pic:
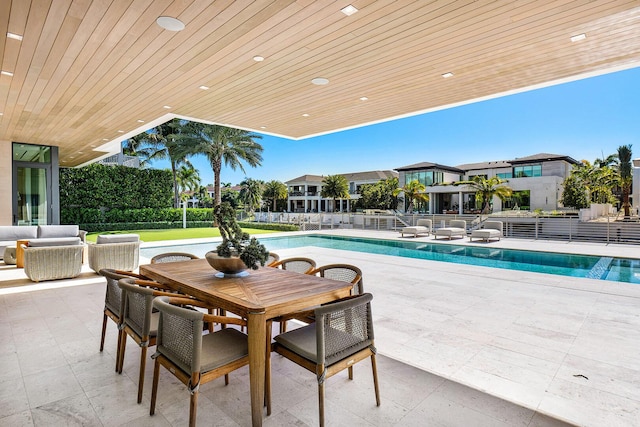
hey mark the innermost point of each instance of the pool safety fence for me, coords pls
(608, 229)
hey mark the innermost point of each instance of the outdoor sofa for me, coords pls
(456, 228)
(10, 234)
(489, 230)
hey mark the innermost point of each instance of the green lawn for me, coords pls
(175, 233)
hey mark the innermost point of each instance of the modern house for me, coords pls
(78, 78)
(305, 191)
(536, 182)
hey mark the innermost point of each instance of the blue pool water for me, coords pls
(594, 267)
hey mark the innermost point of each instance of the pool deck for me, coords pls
(460, 345)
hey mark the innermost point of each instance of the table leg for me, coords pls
(256, 329)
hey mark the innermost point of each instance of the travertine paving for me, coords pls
(459, 346)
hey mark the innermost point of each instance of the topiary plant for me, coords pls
(236, 242)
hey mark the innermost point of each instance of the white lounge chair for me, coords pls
(489, 230)
(423, 226)
(456, 228)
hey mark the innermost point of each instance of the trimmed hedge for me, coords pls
(106, 187)
(164, 225)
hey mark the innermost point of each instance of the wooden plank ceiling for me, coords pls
(86, 73)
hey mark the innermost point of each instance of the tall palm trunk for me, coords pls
(217, 167)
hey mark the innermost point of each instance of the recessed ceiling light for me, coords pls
(364, 98)
(6, 73)
(204, 87)
(166, 106)
(578, 37)
(14, 36)
(120, 131)
(170, 23)
(349, 10)
(105, 139)
(447, 75)
(305, 115)
(263, 127)
(140, 121)
(320, 81)
(1, 114)
(258, 58)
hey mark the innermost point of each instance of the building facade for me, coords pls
(536, 182)
(305, 191)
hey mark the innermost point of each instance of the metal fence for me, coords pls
(607, 229)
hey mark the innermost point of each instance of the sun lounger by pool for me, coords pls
(456, 228)
(489, 230)
(423, 226)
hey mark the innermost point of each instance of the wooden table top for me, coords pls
(270, 290)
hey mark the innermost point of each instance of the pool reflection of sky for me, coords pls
(618, 269)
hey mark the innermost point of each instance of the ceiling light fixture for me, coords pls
(105, 139)
(140, 121)
(14, 36)
(364, 98)
(1, 114)
(167, 107)
(120, 131)
(170, 23)
(447, 75)
(204, 87)
(349, 10)
(320, 81)
(578, 37)
(258, 58)
(305, 115)
(6, 73)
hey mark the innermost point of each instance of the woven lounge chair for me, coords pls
(115, 251)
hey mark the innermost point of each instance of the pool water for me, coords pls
(587, 266)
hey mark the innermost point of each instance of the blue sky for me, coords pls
(583, 119)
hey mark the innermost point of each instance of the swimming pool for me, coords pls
(587, 266)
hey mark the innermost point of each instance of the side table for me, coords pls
(20, 253)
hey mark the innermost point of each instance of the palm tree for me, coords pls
(251, 193)
(170, 141)
(624, 171)
(274, 191)
(188, 179)
(334, 187)
(230, 146)
(414, 193)
(487, 188)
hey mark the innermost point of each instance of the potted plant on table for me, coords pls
(237, 252)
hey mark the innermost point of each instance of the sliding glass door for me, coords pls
(32, 184)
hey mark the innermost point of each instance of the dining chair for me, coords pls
(113, 302)
(172, 257)
(273, 258)
(138, 319)
(192, 357)
(297, 264)
(341, 336)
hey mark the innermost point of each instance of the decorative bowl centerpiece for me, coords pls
(237, 252)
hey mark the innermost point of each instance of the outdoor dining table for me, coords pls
(263, 294)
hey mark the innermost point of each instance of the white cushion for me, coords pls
(117, 238)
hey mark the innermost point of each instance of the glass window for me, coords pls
(31, 153)
(518, 200)
(505, 175)
(527, 171)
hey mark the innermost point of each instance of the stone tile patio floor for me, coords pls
(458, 346)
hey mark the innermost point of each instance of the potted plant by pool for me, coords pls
(237, 252)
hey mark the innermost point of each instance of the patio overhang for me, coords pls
(87, 75)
